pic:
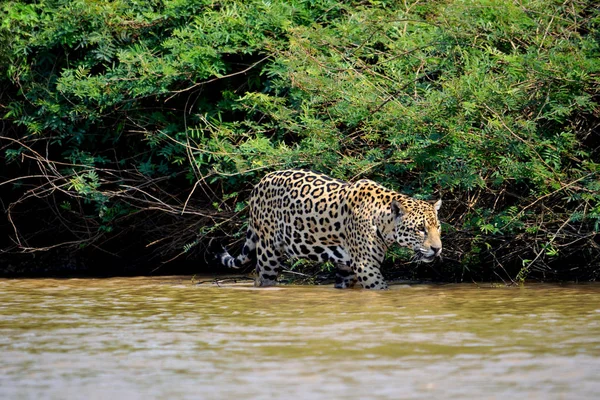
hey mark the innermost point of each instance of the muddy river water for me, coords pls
(170, 338)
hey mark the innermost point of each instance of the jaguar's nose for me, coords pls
(436, 251)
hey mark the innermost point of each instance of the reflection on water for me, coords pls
(168, 338)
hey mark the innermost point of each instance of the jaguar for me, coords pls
(304, 214)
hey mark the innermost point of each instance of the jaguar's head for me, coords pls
(417, 227)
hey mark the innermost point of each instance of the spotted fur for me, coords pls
(303, 214)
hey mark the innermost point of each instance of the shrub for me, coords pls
(157, 117)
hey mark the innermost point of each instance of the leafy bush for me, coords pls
(156, 118)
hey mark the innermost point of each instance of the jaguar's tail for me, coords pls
(248, 251)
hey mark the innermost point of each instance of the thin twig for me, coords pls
(176, 92)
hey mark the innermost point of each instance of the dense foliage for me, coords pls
(138, 128)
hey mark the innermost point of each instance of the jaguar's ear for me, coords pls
(438, 205)
(398, 209)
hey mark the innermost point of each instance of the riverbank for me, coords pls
(65, 264)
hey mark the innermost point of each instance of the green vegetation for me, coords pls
(136, 128)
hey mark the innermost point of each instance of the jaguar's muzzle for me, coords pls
(430, 255)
